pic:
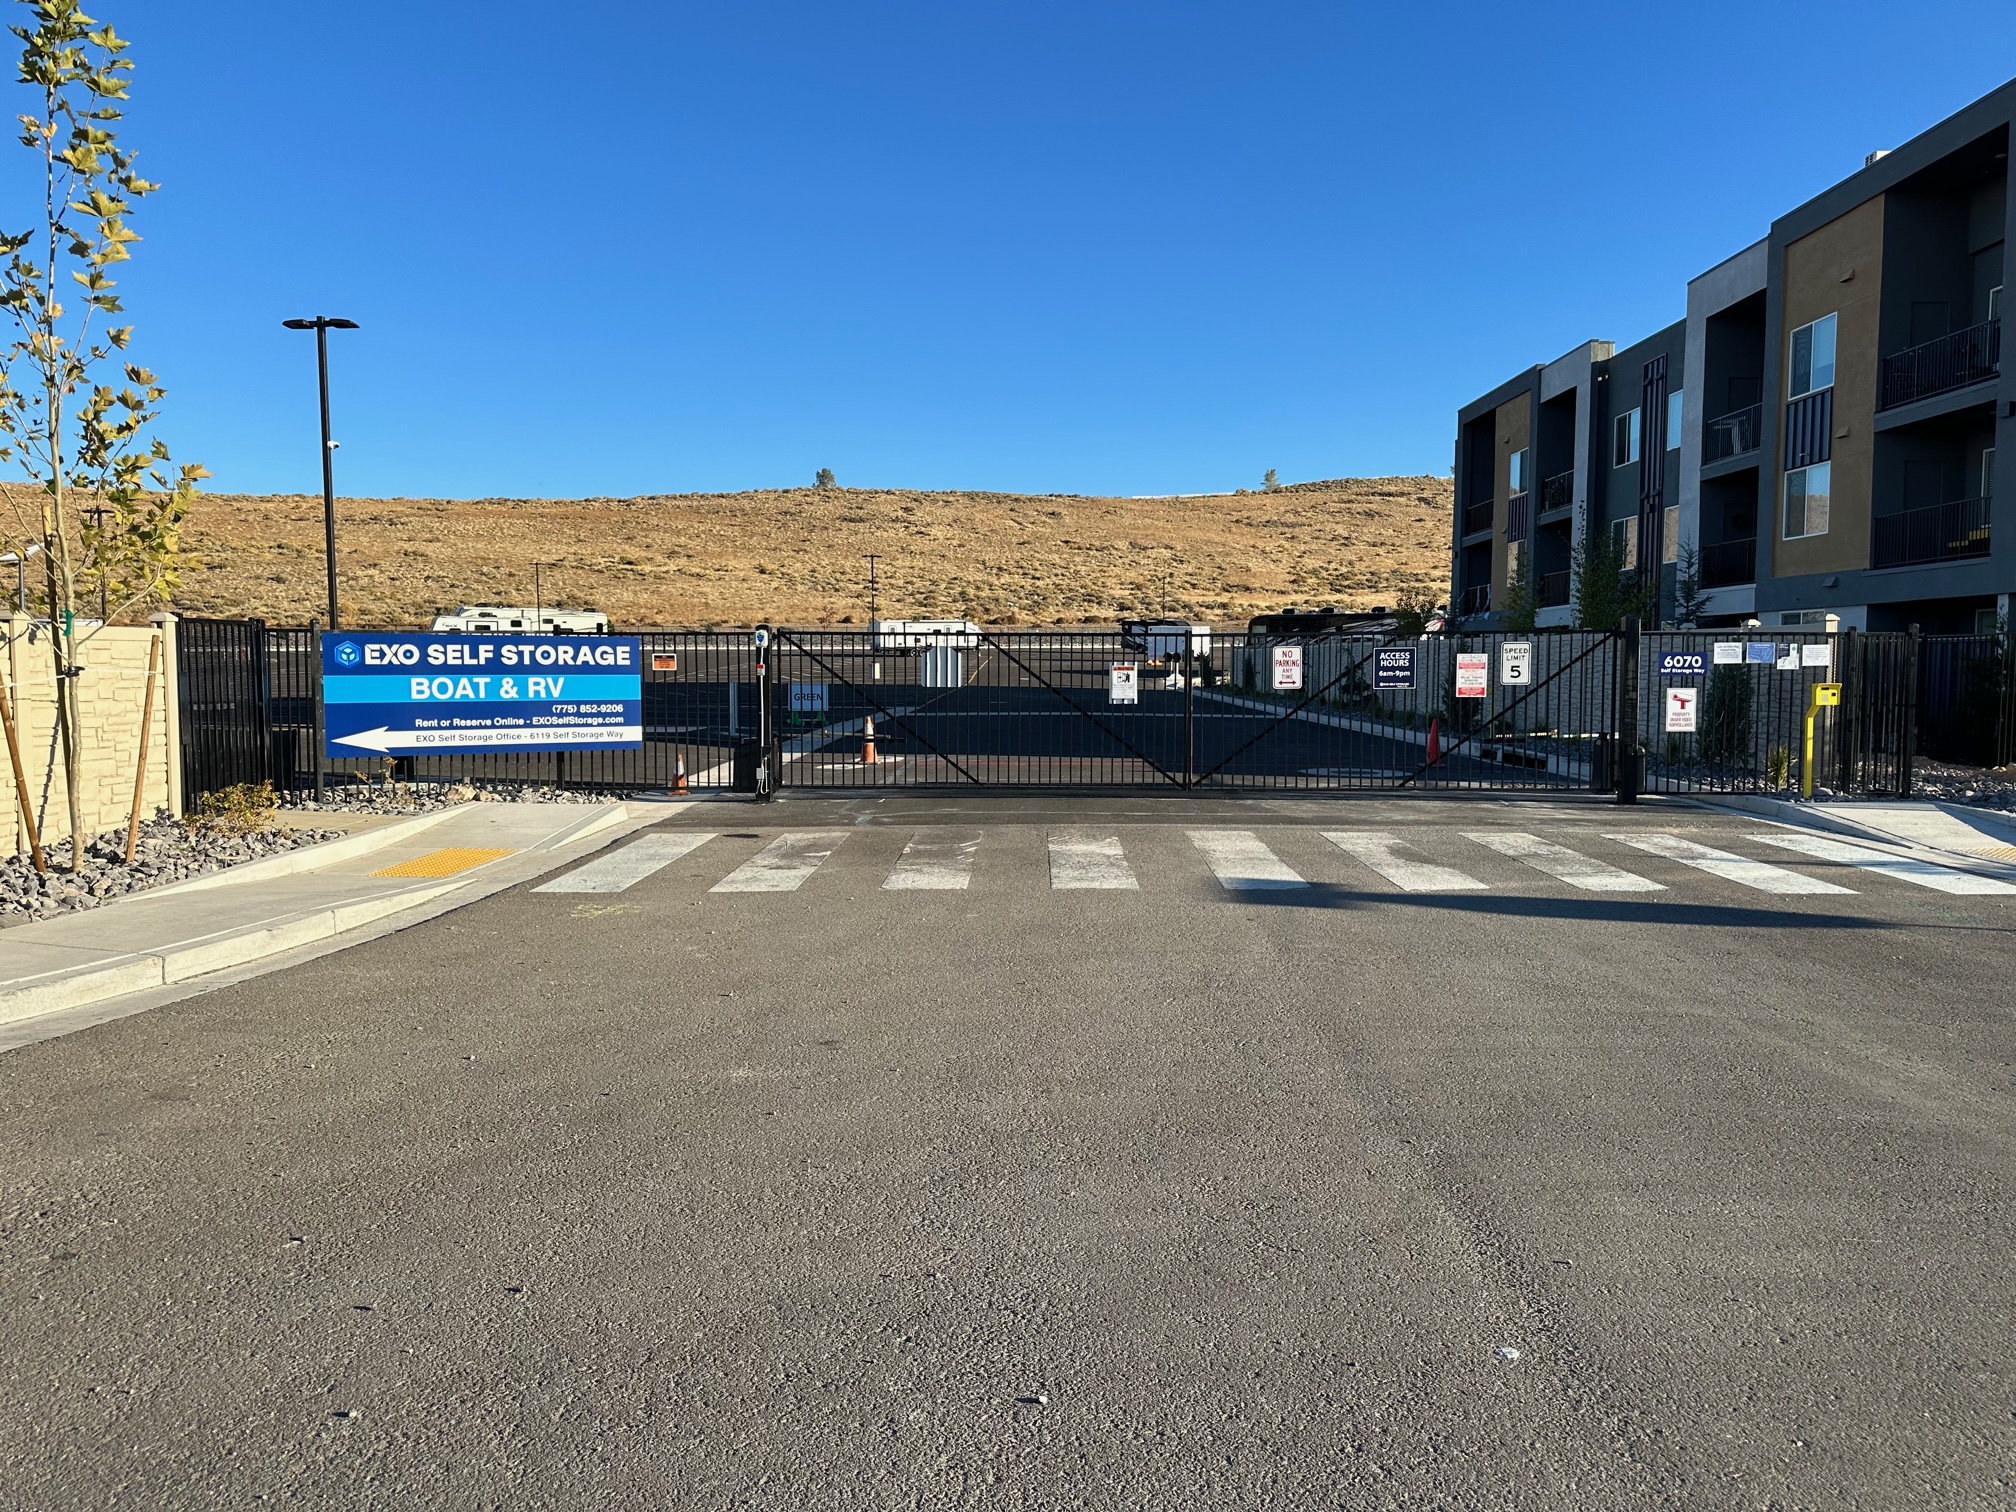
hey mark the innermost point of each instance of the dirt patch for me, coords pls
(798, 555)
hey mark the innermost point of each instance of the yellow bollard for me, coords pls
(1826, 695)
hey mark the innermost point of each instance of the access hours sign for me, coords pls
(424, 695)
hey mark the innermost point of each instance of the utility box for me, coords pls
(942, 666)
(747, 754)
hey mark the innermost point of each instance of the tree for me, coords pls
(1412, 612)
(1689, 597)
(824, 478)
(1271, 482)
(77, 439)
(1606, 591)
(1520, 609)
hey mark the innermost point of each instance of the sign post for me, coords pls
(424, 695)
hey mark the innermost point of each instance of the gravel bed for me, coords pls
(416, 797)
(1984, 787)
(169, 852)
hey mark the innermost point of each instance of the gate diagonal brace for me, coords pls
(1077, 708)
(1485, 728)
(1315, 697)
(895, 719)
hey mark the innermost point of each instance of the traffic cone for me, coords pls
(1434, 741)
(868, 741)
(679, 776)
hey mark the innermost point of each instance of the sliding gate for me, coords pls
(1545, 711)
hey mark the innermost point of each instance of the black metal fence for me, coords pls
(1547, 711)
(1967, 699)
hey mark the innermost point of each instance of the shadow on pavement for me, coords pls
(1329, 895)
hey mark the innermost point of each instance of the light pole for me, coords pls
(539, 599)
(322, 325)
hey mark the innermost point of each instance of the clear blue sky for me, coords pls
(1069, 247)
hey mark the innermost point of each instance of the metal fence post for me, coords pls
(1908, 743)
(1627, 712)
(767, 744)
(315, 678)
(1189, 708)
(1851, 719)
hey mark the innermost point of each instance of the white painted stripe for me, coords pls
(1082, 858)
(783, 864)
(619, 869)
(1570, 866)
(1921, 873)
(1377, 850)
(1758, 874)
(935, 860)
(1242, 861)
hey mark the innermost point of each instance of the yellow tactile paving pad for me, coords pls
(442, 863)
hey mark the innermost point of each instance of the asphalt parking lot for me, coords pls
(955, 1152)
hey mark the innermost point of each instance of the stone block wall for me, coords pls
(111, 692)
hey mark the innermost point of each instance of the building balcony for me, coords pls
(1477, 517)
(1557, 493)
(1937, 533)
(1515, 517)
(1939, 367)
(1729, 564)
(1733, 434)
(1475, 600)
(1553, 589)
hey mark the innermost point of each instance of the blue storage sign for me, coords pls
(1682, 664)
(421, 695)
(1393, 667)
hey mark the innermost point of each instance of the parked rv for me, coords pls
(500, 619)
(923, 635)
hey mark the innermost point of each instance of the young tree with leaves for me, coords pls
(76, 414)
(1606, 591)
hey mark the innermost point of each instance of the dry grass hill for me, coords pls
(797, 556)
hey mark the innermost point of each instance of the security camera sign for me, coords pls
(1473, 674)
(1123, 683)
(1682, 710)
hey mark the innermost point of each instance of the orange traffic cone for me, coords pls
(1434, 741)
(868, 741)
(679, 777)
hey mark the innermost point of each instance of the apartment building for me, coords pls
(1817, 436)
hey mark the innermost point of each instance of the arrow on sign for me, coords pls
(380, 740)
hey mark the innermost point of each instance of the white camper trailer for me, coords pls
(501, 619)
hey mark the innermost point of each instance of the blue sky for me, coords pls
(1085, 247)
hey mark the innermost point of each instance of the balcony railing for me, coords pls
(1936, 533)
(1515, 517)
(1553, 589)
(1478, 517)
(1726, 564)
(1734, 434)
(1476, 600)
(1938, 367)
(1557, 492)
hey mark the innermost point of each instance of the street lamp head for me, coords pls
(321, 322)
(335, 324)
(299, 325)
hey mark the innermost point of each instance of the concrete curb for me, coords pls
(177, 963)
(311, 857)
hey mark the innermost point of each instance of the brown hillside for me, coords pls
(798, 555)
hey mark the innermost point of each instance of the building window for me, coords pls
(1813, 357)
(1669, 535)
(1995, 303)
(1673, 408)
(1987, 621)
(1806, 492)
(1988, 472)
(1517, 471)
(1624, 543)
(1624, 439)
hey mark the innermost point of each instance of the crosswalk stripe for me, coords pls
(783, 864)
(1242, 861)
(1558, 861)
(1761, 875)
(935, 860)
(1082, 858)
(625, 868)
(1921, 873)
(1376, 849)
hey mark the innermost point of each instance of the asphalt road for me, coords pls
(1029, 1196)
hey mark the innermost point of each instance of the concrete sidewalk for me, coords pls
(242, 916)
(1954, 834)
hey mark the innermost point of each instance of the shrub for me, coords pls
(244, 808)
